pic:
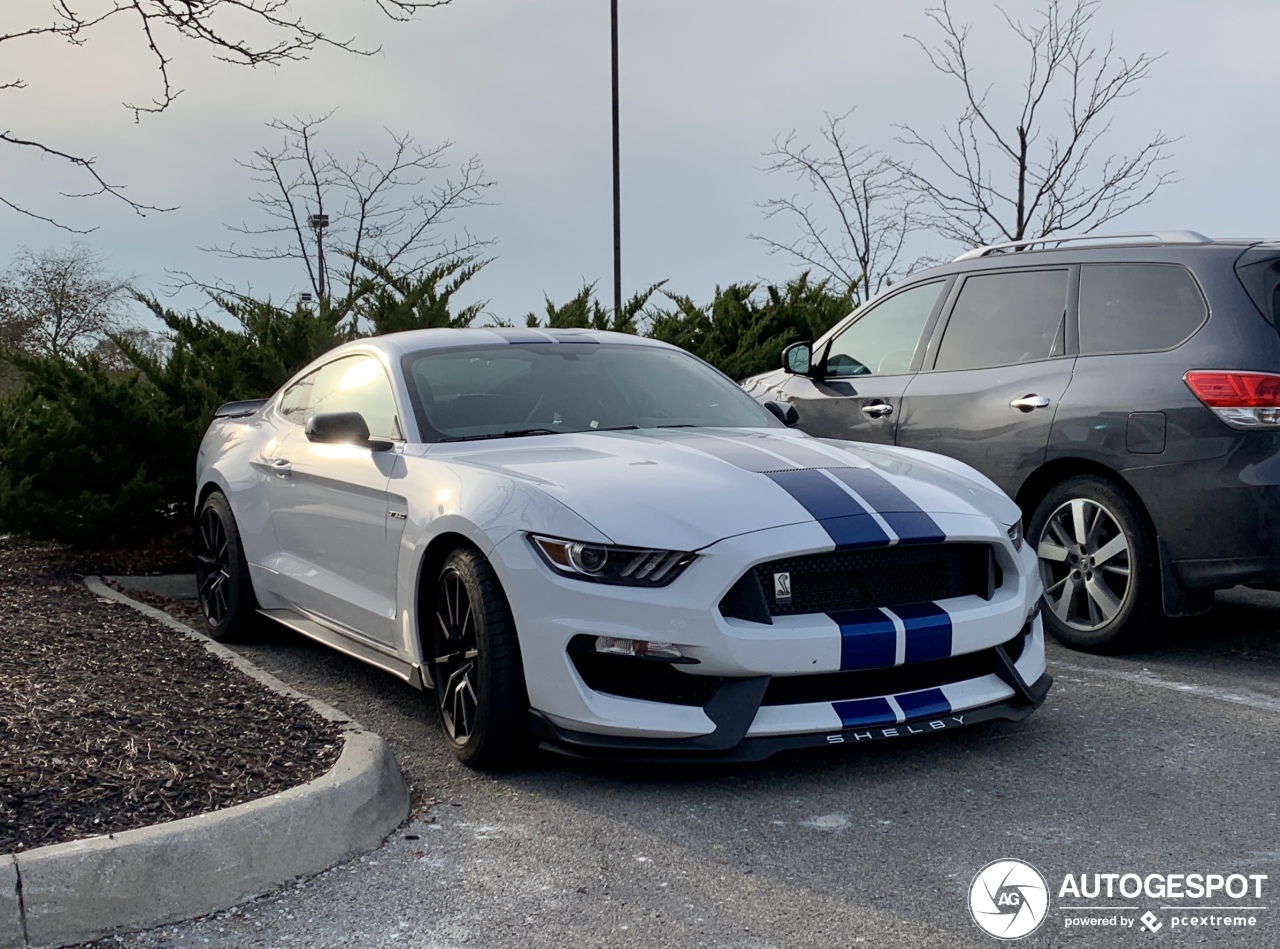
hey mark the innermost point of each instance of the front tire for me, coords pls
(222, 573)
(476, 666)
(1099, 565)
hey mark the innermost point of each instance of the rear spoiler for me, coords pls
(241, 409)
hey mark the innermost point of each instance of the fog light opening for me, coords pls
(637, 648)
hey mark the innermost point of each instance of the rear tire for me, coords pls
(476, 667)
(222, 573)
(1100, 567)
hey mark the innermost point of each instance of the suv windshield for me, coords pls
(540, 388)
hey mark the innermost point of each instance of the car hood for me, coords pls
(686, 489)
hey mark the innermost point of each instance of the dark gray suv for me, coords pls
(1124, 390)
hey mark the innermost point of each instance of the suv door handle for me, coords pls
(877, 409)
(282, 468)
(1029, 403)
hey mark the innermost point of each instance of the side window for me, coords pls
(356, 384)
(293, 403)
(882, 341)
(1005, 318)
(1134, 308)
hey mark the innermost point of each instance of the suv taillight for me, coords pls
(1241, 399)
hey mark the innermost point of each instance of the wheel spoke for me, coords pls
(1051, 551)
(1102, 596)
(1062, 607)
(1111, 548)
(1059, 532)
(1078, 521)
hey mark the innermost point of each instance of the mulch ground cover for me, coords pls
(110, 720)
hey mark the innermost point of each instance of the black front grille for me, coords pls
(646, 679)
(862, 579)
(865, 683)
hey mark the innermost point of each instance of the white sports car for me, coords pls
(600, 543)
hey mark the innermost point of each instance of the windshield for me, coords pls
(539, 388)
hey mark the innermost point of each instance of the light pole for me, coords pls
(318, 222)
(617, 173)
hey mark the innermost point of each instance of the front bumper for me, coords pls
(736, 714)
(734, 707)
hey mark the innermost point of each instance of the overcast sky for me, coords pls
(524, 84)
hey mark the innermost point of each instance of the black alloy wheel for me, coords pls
(1099, 566)
(475, 665)
(222, 573)
(456, 655)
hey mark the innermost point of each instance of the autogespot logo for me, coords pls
(1009, 899)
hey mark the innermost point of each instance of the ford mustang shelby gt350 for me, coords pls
(600, 543)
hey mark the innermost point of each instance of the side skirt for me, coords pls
(375, 655)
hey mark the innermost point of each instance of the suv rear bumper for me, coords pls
(1227, 572)
(1218, 519)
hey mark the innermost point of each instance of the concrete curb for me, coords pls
(87, 889)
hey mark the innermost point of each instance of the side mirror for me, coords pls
(797, 359)
(787, 414)
(343, 428)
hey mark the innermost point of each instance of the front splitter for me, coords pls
(578, 744)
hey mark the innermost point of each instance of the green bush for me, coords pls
(742, 333)
(89, 458)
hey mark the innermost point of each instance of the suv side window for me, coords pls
(883, 340)
(1001, 319)
(1134, 308)
(357, 384)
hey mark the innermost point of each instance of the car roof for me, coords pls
(1105, 249)
(396, 345)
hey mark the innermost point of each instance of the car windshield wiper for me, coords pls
(512, 433)
(612, 428)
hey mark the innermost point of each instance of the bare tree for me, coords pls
(1034, 171)
(856, 232)
(60, 302)
(222, 27)
(329, 213)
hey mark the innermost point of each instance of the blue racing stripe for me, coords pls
(928, 631)
(906, 518)
(919, 704)
(843, 518)
(864, 712)
(868, 639)
(734, 452)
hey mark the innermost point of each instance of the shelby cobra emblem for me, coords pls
(782, 588)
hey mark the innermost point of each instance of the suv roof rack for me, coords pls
(1154, 237)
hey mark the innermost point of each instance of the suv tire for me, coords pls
(1099, 565)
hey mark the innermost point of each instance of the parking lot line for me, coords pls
(1265, 703)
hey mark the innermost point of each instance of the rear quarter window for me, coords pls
(1135, 308)
(1259, 271)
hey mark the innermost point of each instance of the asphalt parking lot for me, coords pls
(1159, 763)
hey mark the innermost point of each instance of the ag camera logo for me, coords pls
(1009, 899)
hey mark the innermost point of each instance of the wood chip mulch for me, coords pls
(110, 720)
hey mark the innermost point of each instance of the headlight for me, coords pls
(1015, 534)
(608, 563)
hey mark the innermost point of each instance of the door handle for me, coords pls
(877, 409)
(1029, 403)
(282, 468)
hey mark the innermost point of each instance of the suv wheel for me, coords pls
(1099, 567)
